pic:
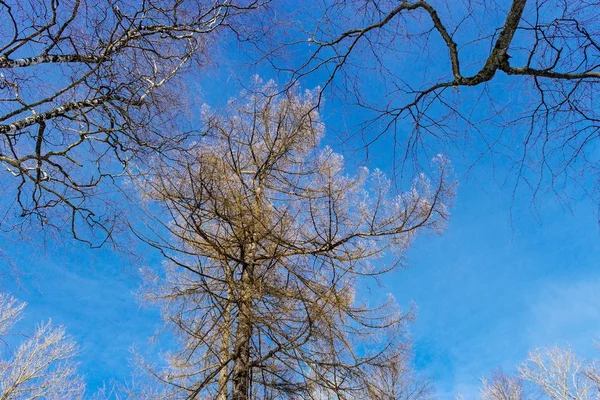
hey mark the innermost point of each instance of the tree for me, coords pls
(42, 365)
(553, 373)
(501, 387)
(516, 80)
(90, 89)
(397, 381)
(272, 244)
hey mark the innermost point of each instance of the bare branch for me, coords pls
(270, 236)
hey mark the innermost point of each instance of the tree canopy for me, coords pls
(273, 239)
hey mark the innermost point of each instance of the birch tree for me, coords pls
(552, 373)
(272, 250)
(42, 365)
(89, 87)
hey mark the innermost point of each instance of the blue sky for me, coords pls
(506, 276)
(487, 290)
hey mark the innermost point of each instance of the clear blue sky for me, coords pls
(503, 278)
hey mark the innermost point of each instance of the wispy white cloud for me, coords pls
(566, 313)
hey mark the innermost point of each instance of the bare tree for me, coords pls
(89, 88)
(397, 381)
(272, 242)
(501, 387)
(553, 373)
(42, 366)
(515, 79)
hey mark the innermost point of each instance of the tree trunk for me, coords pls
(224, 373)
(241, 367)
